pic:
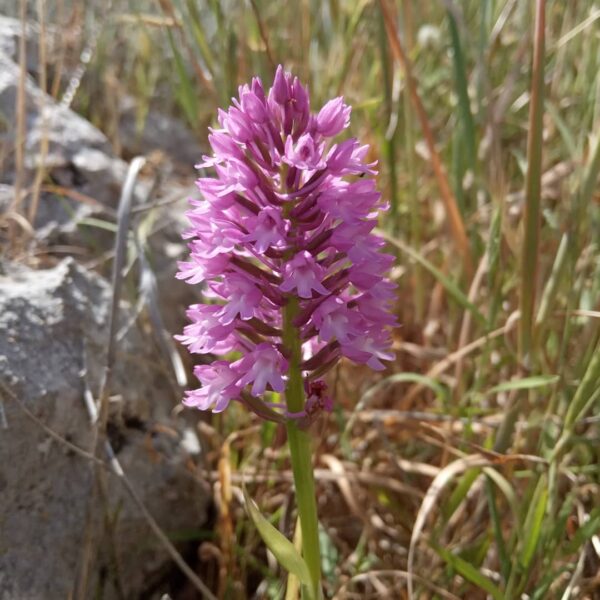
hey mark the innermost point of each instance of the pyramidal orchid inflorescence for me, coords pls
(282, 239)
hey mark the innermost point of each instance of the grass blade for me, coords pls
(460, 492)
(262, 29)
(525, 383)
(186, 93)
(452, 289)
(590, 178)
(552, 285)
(461, 84)
(532, 527)
(416, 222)
(588, 386)
(456, 222)
(530, 250)
(149, 292)
(569, 248)
(436, 487)
(200, 37)
(495, 478)
(388, 128)
(469, 572)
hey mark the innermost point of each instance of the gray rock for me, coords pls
(79, 155)
(10, 34)
(58, 218)
(79, 159)
(158, 132)
(51, 323)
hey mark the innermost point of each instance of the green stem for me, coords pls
(416, 226)
(530, 253)
(300, 452)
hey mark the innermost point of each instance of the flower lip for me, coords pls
(266, 230)
(334, 320)
(370, 349)
(264, 366)
(206, 333)
(303, 274)
(306, 153)
(218, 386)
(243, 297)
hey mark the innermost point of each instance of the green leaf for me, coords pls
(530, 249)
(562, 127)
(526, 383)
(99, 223)
(460, 492)
(469, 572)
(505, 564)
(199, 36)
(283, 550)
(533, 522)
(586, 393)
(185, 93)
(461, 85)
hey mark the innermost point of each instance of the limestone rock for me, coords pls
(53, 324)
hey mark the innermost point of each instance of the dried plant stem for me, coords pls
(300, 453)
(84, 60)
(263, 33)
(43, 80)
(20, 110)
(459, 354)
(101, 419)
(160, 534)
(117, 282)
(341, 594)
(389, 133)
(55, 436)
(465, 329)
(59, 57)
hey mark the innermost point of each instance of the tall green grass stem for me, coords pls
(533, 185)
(416, 226)
(461, 84)
(389, 129)
(530, 250)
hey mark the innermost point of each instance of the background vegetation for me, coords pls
(470, 468)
